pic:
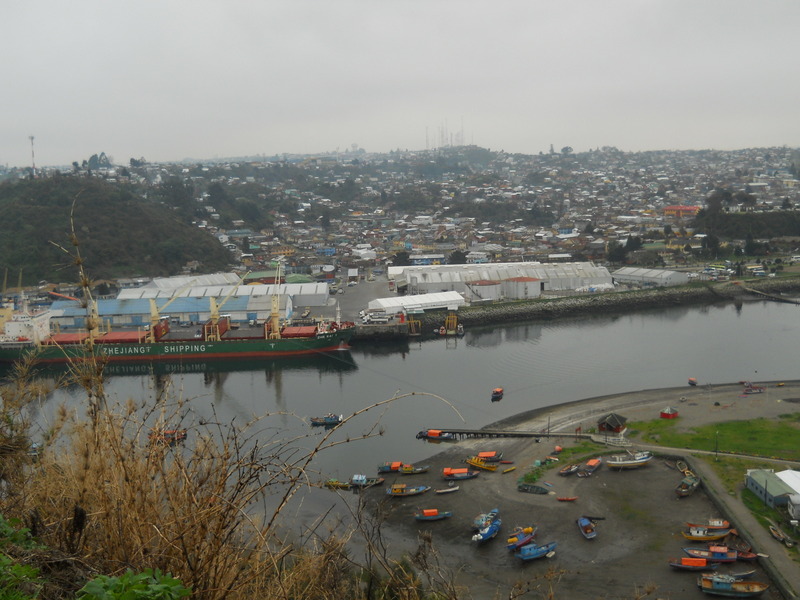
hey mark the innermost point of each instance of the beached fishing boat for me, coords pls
(489, 531)
(718, 584)
(687, 563)
(713, 553)
(687, 485)
(534, 551)
(447, 490)
(586, 527)
(568, 469)
(490, 456)
(712, 523)
(432, 514)
(436, 435)
(483, 519)
(704, 534)
(399, 490)
(780, 535)
(481, 464)
(567, 498)
(390, 467)
(509, 469)
(458, 474)
(413, 470)
(532, 488)
(329, 420)
(364, 482)
(589, 467)
(630, 460)
(521, 536)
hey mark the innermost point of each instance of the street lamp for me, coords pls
(716, 445)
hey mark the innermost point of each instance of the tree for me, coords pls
(617, 252)
(457, 257)
(668, 230)
(401, 259)
(634, 243)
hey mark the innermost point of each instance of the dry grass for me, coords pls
(102, 497)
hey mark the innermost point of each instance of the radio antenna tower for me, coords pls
(33, 158)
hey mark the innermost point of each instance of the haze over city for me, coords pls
(171, 81)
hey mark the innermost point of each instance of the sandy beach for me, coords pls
(640, 518)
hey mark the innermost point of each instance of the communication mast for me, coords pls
(33, 159)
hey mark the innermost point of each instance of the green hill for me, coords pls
(120, 233)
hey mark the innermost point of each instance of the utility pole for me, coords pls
(33, 159)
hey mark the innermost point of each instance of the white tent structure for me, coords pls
(420, 302)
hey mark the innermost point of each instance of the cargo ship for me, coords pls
(26, 332)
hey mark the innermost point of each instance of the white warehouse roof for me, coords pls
(448, 300)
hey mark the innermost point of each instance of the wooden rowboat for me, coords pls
(567, 498)
(446, 490)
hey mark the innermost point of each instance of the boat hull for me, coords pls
(183, 350)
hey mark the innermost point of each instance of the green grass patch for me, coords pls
(769, 438)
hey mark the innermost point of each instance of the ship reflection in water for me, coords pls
(323, 363)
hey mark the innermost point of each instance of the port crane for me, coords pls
(212, 327)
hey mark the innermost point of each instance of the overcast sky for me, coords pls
(168, 80)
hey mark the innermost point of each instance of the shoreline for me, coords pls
(640, 502)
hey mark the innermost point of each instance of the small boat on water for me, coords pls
(686, 563)
(589, 467)
(567, 498)
(335, 484)
(398, 490)
(717, 584)
(436, 435)
(412, 470)
(167, 437)
(532, 488)
(447, 490)
(364, 482)
(432, 514)
(712, 523)
(533, 551)
(713, 553)
(568, 469)
(521, 536)
(587, 527)
(483, 519)
(630, 460)
(687, 485)
(481, 464)
(497, 394)
(704, 534)
(329, 420)
(451, 474)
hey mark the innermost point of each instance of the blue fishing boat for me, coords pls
(329, 420)
(490, 531)
(587, 528)
(729, 586)
(436, 435)
(483, 519)
(532, 551)
(401, 489)
(451, 474)
(432, 514)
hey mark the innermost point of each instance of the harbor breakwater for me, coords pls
(610, 303)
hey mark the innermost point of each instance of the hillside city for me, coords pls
(322, 214)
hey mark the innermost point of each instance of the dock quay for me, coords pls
(510, 433)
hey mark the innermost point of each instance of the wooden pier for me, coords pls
(771, 296)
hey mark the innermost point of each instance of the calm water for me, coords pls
(539, 365)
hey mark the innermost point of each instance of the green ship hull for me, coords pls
(183, 350)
